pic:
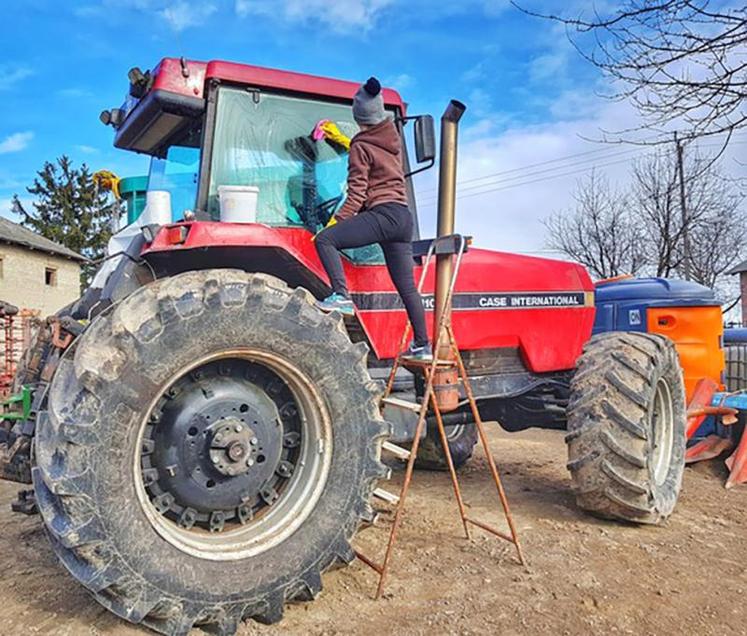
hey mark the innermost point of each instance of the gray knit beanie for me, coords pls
(368, 104)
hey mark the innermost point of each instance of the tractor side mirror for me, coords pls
(425, 141)
(425, 138)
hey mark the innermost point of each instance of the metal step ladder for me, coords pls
(428, 368)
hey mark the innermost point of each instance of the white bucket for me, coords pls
(238, 204)
(157, 208)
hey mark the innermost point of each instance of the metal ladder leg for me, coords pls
(450, 463)
(514, 538)
(403, 495)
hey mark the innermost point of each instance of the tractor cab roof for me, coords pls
(163, 102)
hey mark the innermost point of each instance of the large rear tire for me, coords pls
(173, 519)
(626, 427)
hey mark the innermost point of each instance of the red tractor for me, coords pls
(206, 441)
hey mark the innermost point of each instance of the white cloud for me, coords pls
(9, 183)
(105, 7)
(480, 101)
(74, 93)
(400, 82)
(6, 208)
(549, 66)
(508, 215)
(505, 210)
(178, 15)
(494, 8)
(181, 15)
(15, 142)
(10, 75)
(475, 73)
(87, 150)
(340, 16)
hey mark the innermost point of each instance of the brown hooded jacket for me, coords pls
(375, 173)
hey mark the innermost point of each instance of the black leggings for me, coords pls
(389, 225)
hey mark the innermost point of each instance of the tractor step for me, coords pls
(385, 495)
(401, 404)
(426, 364)
(397, 451)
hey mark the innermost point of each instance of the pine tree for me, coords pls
(70, 210)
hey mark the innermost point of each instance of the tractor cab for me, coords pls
(219, 124)
(212, 126)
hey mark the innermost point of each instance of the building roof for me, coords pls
(738, 269)
(18, 235)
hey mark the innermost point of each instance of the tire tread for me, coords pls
(608, 435)
(97, 356)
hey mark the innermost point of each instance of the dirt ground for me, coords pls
(585, 576)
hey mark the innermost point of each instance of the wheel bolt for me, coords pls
(218, 437)
(253, 441)
(250, 462)
(238, 428)
(215, 460)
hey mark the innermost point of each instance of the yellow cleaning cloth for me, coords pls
(332, 132)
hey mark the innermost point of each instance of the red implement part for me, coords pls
(728, 415)
(707, 448)
(696, 410)
(59, 339)
(737, 464)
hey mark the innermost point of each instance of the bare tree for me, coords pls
(715, 223)
(678, 61)
(642, 231)
(718, 248)
(656, 207)
(599, 233)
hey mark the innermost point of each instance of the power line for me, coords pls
(566, 158)
(460, 195)
(535, 173)
(535, 165)
(431, 199)
(522, 183)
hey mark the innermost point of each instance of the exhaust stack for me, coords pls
(445, 383)
(446, 201)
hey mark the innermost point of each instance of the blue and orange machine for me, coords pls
(690, 315)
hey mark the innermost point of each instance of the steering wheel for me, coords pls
(322, 212)
(326, 209)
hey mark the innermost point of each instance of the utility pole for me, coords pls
(683, 207)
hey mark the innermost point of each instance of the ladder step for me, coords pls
(385, 495)
(397, 451)
(425, 364)
(402, 404)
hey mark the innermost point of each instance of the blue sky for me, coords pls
(530, 96)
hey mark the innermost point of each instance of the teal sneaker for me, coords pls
(424, 353)
(337, 302)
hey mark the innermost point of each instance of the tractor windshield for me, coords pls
(264, 140)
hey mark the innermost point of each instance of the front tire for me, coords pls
(462, 439)
(146, 474)
(626, 427)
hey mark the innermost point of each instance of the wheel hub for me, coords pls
(221, 445)
(233, 447)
